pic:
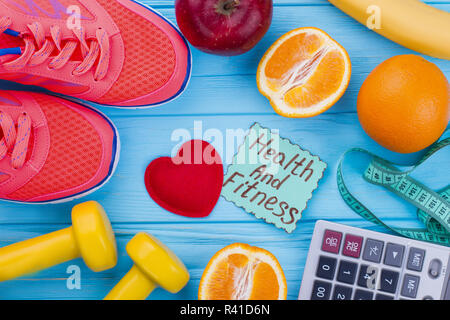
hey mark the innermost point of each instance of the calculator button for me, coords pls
(321, 290)
(388, 280)
(434, 270)
(373, 250)
(410, 286)
(380, 296)
(367, 276)
(331, 241)
(415, 259)
(394, 255)
(342, 293)
(363, 295)
(347, 272)
(326, 268)
(352, 246)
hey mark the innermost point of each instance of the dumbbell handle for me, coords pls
(36, 254)
(134, 286)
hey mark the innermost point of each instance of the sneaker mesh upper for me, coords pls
(150, 58)
(149, 55)
(75, 152)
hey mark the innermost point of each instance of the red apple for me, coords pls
(224, 27)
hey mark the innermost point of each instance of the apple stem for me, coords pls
(230, 5)
(227, 7)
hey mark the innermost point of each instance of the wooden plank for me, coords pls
(216, 78)
(193, 243)
(146, 138)
(170, 3)
(223, 96)
(369, 50)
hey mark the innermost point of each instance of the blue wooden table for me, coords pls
(223, 95)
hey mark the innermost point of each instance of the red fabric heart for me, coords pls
(188, 184)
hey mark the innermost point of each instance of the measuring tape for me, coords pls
(433, 207)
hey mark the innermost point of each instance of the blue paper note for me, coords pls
(272, 178)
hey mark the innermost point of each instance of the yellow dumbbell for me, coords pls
(90, 237)
(154, 265)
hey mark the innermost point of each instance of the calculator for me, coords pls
(347, 263)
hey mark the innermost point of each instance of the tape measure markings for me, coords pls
(433, 207)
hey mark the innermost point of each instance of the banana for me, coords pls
(411, 23)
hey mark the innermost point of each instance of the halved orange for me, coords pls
(242, 272)
(304, 73)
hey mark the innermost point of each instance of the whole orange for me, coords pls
(404, 103)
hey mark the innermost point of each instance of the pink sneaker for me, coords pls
(53, 150)
(111, 52)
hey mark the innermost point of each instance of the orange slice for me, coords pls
(304, 73)
(243, 272)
